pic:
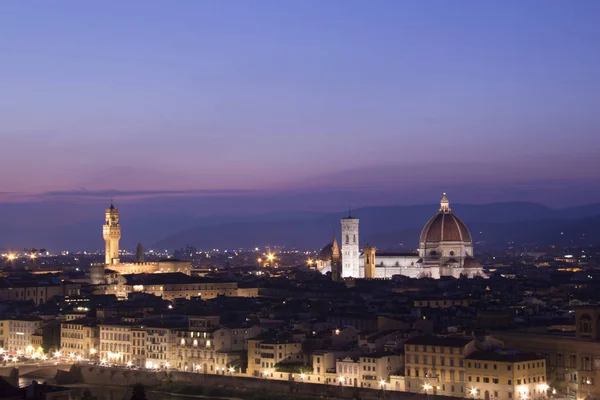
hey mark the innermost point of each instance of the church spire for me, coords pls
(444, 205)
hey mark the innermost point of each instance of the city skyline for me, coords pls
(385, 104)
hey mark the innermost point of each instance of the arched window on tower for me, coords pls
(347, 239)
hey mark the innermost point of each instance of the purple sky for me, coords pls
(394, 100)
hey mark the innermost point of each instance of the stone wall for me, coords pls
(119, 377)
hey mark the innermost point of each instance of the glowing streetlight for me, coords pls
(167, 365)
(57, 354)
(11, 257)
(44, 357)
(310, 262)
(129, 364)
(19, 352)
(382, 383)
(29, 348)
(341, 379)
(543, 387)
(302, 376)
(473, 392)
(1, 351)
(427, 387)
(92, 351)
(231, 370)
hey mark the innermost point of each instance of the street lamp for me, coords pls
(427, 387)
(473, 392)
(302, 376)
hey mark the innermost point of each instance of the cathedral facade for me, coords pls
(445, 249)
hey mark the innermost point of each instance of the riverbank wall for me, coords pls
(94, 375)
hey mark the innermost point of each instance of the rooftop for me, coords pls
(503, 356)
(443, 341)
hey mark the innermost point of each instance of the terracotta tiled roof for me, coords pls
(445, 227)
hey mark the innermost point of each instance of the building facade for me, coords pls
(506, 375)
(80, 338)
(20, 333)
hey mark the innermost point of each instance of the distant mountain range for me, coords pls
(398, 227)
(387, 227)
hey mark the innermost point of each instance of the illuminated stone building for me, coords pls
(80, 337)
(111, 231)
(350, 249)
(573, 360)
(445, 249)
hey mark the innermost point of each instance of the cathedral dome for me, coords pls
(445, 227)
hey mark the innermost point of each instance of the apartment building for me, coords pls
(80, 337)
(506, 375)
(116, 342)
(367, 370)
(3, 334)
(21, 331)
(207, 347)
(268, 351)
(437, 364)
(160, 346)
(138, 346)
(572, 360)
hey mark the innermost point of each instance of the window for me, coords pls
(495, 380)
(486, 380)
(509, 395)
(510, 381)
(509, 367)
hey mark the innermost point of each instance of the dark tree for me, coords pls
(139, 393)
(139, 253)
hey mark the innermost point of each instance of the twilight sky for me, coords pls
(392, 100)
